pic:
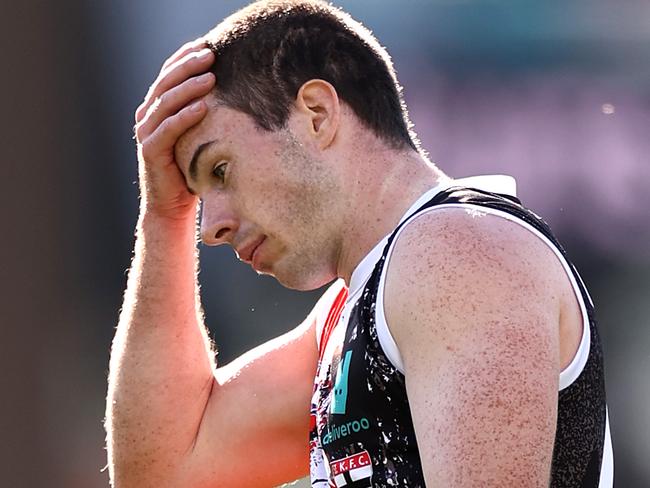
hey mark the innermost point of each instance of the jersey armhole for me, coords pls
(567, 376)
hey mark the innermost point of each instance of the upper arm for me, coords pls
(472, 302)
(255, 429)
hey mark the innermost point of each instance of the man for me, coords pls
(458, 347)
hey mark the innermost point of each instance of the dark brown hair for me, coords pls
(268, 50)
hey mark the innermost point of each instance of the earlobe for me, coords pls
(318, 100)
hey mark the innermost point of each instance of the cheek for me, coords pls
(284, 192)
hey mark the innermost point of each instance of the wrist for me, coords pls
(177, 222)
(179, 216)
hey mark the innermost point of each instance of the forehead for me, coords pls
(230, 129)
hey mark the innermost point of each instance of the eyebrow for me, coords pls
(195, 158)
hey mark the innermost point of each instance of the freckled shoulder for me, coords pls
(457, 258)
(472, 301)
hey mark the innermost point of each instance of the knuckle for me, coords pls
(151, 91)
(144, 150)
(154, 107)
(163, 99)
(140, 112)
(138, 131)
(165, 127)
(140, 119)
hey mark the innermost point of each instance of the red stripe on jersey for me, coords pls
(332, 319)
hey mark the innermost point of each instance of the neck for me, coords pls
(380, 191)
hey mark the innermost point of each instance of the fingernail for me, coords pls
(204, 79)
(196, 106)
(204, 53)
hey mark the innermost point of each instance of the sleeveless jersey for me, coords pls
(362, 432)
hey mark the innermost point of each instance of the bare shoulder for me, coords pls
(473, 302)
(458, 256)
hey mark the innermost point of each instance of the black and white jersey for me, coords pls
(361, 428)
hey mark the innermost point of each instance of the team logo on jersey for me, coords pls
(341, 386)
(353, 471)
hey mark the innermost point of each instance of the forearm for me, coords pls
(161, 367)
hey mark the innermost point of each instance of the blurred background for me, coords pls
(554, 93)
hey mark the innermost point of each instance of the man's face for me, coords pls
(265, 194)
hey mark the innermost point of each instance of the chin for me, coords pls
(301, 279)
(301, 283)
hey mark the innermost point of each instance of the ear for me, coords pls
(318, 101)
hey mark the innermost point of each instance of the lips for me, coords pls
(246, 252)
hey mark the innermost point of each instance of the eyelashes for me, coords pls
(219, 171)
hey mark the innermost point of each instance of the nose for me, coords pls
(218, 226)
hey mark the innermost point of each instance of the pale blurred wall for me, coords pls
(526, 90)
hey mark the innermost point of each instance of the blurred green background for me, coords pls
(554, 93)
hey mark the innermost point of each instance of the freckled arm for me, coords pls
(477, 330)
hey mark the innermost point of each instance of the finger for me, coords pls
(184, 50)
(162, 140)
(172, 101)
(193, 63)
(189, 47)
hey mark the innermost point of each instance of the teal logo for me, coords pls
(341, 386)
(336, 432)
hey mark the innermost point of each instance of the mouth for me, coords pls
(255, 255)
(247, 252)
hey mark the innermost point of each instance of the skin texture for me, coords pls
(314, 172)
(160, 356)
(476, 311)
(290, 207)
(320, 193)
